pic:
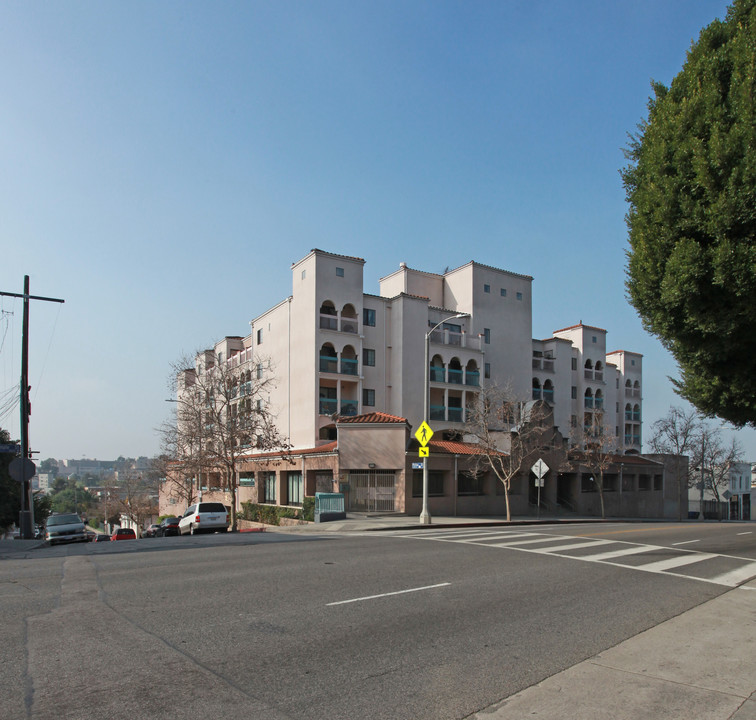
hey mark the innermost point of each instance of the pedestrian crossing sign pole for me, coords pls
(423, 434)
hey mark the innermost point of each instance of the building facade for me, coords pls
(337, 355)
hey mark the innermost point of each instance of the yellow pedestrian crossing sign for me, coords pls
(423, 452)
(424, 434)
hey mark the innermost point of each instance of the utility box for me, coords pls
(329, 506)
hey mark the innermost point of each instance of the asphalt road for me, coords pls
(424, 624)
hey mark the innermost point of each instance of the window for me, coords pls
(368, 397)
(259, 371)
(657, 482)
(368, 317)
(574, 392)
(487, 336)
(469, 484)
(574, 363)
(368, 357)
(339, 272)
(519, 296)
(593, 339)
(304, 274)
(644, 482)
(587, 484)
(486, 288)
(487, 370)
(503, 292)
(435, 483)
(268, 481)
(295, 488)
(632, 362)
(259, 336)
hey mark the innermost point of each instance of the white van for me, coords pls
(204, 517)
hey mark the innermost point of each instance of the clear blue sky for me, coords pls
(164, 163)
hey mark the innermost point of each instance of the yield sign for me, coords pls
(540, 468)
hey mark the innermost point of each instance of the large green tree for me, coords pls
(691, 186)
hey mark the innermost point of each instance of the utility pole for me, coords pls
(26, 516)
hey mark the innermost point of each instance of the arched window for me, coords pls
(349, 361)
(349, 319)
(472, 374)
(329, 361)
(454, 372)
(328, 316)
(437, 371)
(536, 389)
(599, 400)
(548, 392)
(588, 398)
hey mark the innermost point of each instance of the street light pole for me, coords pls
(425, 518)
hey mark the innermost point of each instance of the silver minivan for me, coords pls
(204, 517)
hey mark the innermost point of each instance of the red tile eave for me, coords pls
(375, 418)
(453, 447)
(320, 450)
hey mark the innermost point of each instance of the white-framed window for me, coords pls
(368, 397)
(486, 288)
(503, 292)
(519, 296)
(368, 317)
(368, 357)
(295, 488)
(339, 272)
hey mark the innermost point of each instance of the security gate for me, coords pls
(372, 491)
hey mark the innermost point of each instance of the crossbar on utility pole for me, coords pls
(26, 516)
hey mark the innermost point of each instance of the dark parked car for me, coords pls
(124, 534)
(150, 531)
(101, 537)
(169, 526)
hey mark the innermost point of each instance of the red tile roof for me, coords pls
(454, 447)
(372, 418)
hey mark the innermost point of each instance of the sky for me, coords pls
(164, 163)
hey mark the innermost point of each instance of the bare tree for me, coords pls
(712, 458)
(596, 448)
(221, 414)
(677, 434)
(509, 432)
(134, 496)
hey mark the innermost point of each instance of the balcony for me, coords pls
(438, 412)
(632, 416)
(349, 366)
(461, 340)
(350, 325)
(328, 406)
(329, 322)
(349, 408)
(437, 374)
(455, 376)
(328, 363)
(456, 414)
(546, 364)
(472, 377)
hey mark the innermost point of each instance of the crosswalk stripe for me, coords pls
(576, 546)
(612, 554)
(675, 562)
(735, 577)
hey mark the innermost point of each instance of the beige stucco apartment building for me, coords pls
(349, 375)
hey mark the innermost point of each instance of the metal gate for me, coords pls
(372, 491)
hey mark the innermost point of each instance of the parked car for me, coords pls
(204, 517)
(124, 534)
(150, 531)
(101, 537)
(65, 527)
(169, 526)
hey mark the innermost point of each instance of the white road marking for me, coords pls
(398, 592)
(746, 533)
(732, 578)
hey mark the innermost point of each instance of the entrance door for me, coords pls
(372, 491)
